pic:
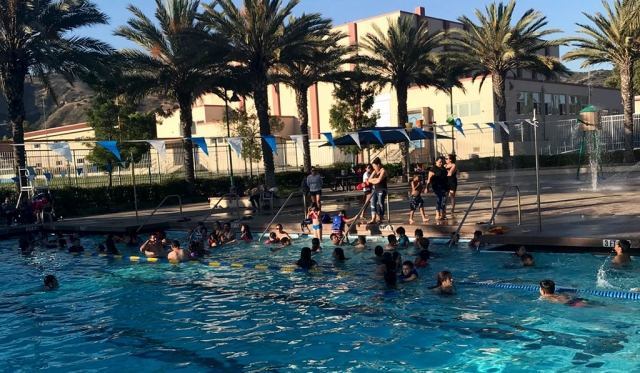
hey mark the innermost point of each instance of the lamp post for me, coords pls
(234, 98)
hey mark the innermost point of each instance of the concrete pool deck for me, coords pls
(573, 214)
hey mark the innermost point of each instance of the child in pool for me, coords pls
(475, 241)
(444, 283)
(423, 243)
(285, 242)
(548, 292)
(417, 236)
(361, 243)
(422, 259)
(246, 233)
(393, 242)
(305, 260)
(378, 251)
(334, 239)
(403, 240)
(338, 255)
(273, 239)
(315, 245)
(408, 272)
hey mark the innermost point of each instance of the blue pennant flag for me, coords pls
(108, 167)
(271, 140)
(202, 144)
(492, 126)
(112, 146)
(458, 122)
(79, 169)
(459, 128)
(94, 168)
(329, 137)
(63, 173)
(376, 133)
(124, 164)
(47, 175)
(420, 131)
(15, 179)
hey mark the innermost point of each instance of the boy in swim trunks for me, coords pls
(417, 203)
(548, 289)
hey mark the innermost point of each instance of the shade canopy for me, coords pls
(389, 135)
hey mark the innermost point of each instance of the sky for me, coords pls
(561, 15)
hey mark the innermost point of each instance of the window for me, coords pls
(527, 101)
(468, 109)
(200, 122)
(475, 108)
(80, 161)
(554, 104)
(577, 103)
(36, 146)
(38, 165)
(58, 163)
(615, 112)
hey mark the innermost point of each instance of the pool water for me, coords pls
(117, 315)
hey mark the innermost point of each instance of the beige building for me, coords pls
(554, 102)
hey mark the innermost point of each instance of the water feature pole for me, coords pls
(535, 144)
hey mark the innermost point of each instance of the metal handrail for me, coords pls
(356, 219)
(455, 235)
(278, 213)
(157, 207)
(495, 211)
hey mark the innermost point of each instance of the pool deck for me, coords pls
(572, 213)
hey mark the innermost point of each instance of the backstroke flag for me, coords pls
(202, 144)
(61, 148)
(404, 132)
(492, 126)
(112, 147)
(476, 125)
(236, 144)
(329, 137)
(160, 147)
(356, 137)
(271, 140)
(420, 131)
(298, 140)
(504, 127)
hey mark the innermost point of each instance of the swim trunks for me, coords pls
(416, 203)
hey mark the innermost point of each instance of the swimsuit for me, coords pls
(416, 203)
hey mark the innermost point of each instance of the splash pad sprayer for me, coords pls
(590, 120)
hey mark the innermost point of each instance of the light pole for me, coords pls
(534, 123)
(234, 98)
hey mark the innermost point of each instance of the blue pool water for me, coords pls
(117, 315)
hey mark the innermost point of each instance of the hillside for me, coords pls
(73, 101)
(597, 77)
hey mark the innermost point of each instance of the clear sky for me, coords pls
(562, 15)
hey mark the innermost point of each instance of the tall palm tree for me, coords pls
(179, 58)
(261, 38)
(35, 40)
(494, 46)
(324, 65)
(611, 39)
(402, 56)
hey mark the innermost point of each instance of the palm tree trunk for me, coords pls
(261, 100)
(403, 116)
(500, 103)
(302, 103)
(13, 90)
(626, 89)
(186, 120)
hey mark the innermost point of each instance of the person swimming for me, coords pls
(51, 282)
(548, 292)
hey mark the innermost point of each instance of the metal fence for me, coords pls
(152, 168)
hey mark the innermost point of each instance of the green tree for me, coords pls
(495, 45)
(36, 39)
(324, 65)
(180, 58)
(262, 36)
(613, 80)
(247, 125)
(400, 57)
(351, 111)
(609, 39)
(111, 121)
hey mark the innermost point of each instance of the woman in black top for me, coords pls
(378, 180)
(440, 183)
(305, 260)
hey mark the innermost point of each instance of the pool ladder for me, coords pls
(494, 210)
(157, 207)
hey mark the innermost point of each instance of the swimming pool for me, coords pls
(112, 314)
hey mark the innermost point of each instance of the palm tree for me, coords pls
(35, 40)
(611, 39)
(261, 39)
(495, 46)
(402, 56)
(180, 58)
(325, 65)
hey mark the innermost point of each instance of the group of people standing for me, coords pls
(442, 179)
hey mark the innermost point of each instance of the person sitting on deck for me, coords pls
(152, 247)
(622, 248)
